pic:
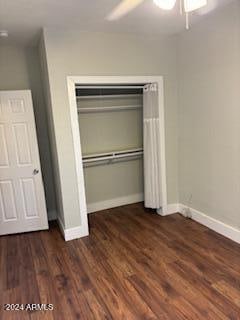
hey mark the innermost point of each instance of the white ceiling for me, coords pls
(25, 18)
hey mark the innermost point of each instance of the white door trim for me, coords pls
(71, 82)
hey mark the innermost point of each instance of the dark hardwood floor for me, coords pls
(134, 265)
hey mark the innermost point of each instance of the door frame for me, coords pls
(72, 81)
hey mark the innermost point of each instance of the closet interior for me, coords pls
(111, 133)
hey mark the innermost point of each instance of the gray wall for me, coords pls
(19, 70)
(201, 70)
(70, 52)
(209, 115)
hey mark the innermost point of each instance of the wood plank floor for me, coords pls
(134, 265)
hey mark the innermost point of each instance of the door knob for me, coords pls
(35, 171)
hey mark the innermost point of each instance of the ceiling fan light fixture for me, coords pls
(191, 5)
(165, 4)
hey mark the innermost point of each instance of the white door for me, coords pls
(22, 200)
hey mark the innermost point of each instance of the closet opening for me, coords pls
(117, 122)
(111, 130)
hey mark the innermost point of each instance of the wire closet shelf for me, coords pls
(108, 96)
(110, 157)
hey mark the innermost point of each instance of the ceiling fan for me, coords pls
(186, 6)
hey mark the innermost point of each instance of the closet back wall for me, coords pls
(108, 131)
(70, 52)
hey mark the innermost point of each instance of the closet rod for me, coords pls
(110, 96)
(108, 87)
(104, 109)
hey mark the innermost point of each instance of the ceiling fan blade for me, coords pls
(191, 5)
(165, 4)
(124, 7)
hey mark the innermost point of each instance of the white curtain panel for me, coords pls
(151, 144)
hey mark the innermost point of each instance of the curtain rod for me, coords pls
(109, 87)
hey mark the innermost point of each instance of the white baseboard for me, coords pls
(72, 233)
(171, 208)
(112, 203)
(52, 215)
(216, 225)
(200, 217)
